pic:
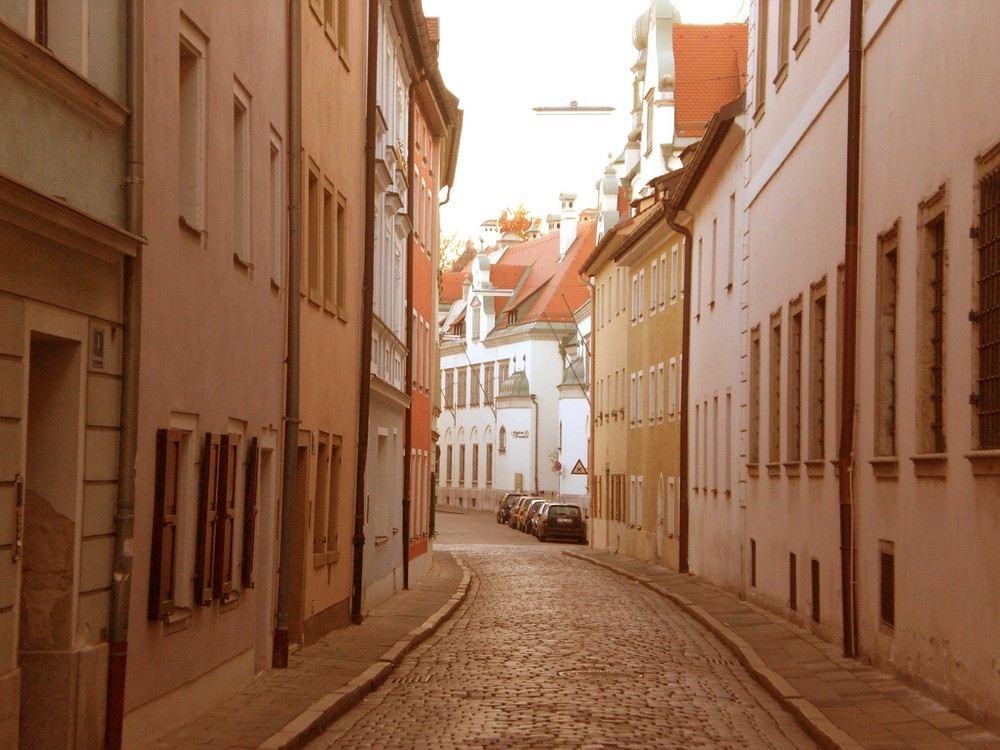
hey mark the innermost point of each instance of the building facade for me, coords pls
(68, 245)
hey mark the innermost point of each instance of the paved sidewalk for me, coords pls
(283, 709)
(842, 703)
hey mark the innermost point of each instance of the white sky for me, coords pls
(502, 59)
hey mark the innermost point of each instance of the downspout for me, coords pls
(367, 302)
(279, 657)
(408, 383)
(121, 581)
(671, 214)
(593, 387)
(535, 403)
(845, 459)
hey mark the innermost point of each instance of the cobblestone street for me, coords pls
(551, 652)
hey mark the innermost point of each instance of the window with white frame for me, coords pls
(632, 403)
(659, 392)
(652, 394)
(663, 280)
(654, 280)
(672, 388)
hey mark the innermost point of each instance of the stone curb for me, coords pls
(311, 722)
(827, 734)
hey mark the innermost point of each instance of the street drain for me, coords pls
(410, 680)
(600, 674)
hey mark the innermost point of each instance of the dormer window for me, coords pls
(474, 311)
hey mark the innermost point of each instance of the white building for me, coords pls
(509, 369)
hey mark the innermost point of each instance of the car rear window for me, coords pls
(564, 510)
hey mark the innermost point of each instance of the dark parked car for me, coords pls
(562, 521)
(518, 511)
(531, 515)
(506, 503)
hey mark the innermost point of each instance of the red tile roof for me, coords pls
(711, 68)
(451, 287)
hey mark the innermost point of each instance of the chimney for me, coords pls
(567, 223)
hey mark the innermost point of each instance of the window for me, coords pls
(329, 249)
(663, 280)
(659, 392)
(461, 465)
(343, 34)
(311, 268)
(753, 448)
(727, 456)
(650, 108)
(475, 386)
(753, 563)
(760, 45)
(814, 576)
(449, 391)
(242, 246)
(652, 395)
(277, 211)
(887, 584)
(695, 463)
(638, 398)
(698, 281)
(333, 500)
(673, 273)
(488, 383)
(930, 327)
(711, 279)
(988, 317)
(639, 502)
(462, 386)
(475, 464)
(654, 279)
(794, 380)
(885, 343)
(671, 507)
(340, 252)
(641, 303)
(817, 372)
(192, 116)
(672, 388)
(731, 264)
(502, 440)
(774, 390)
(784, 34)
(635, 298)
(793, 594)
(503, 370)
(250, 491)
(489, 464)
(320, 498)
(166, 502)
(448, 464)
(216, 518)
(474, 313)
(632, 399)
(715, 444)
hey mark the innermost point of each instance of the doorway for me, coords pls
(48, 587)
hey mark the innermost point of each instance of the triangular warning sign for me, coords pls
(579, 468)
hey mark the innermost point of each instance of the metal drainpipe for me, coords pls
(671, 214)
(535, 402)
(368, 297)
(279, 655)
(129, 415)
(590, 426)
(845, 460)
(408, 385)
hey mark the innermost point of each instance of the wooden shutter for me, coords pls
(208, 488)
(250, 514)
(164, 541)
(226, 519)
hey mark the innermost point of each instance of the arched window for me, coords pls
(502, 442)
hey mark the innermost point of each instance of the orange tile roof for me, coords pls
(506, 277)
(553, 289)
(451, 286)
(711, 68)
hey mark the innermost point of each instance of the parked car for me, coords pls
(506, 503)
(517, 514)
(531, 515)
(562, 521)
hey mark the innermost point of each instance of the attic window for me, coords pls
(512, 317)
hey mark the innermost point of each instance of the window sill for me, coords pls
(930, 465)
(229, 601)
(821, 8)
(984, 463)
(243, 264)
(758, 114)
(815, 468)
(753, 470)
(190, 228)
(885, 467)
(801, 42)
(325, 558)
(773, 469)
(176, 620)
(380, 540)
(781, 77)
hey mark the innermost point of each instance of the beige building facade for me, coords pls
(64, 247)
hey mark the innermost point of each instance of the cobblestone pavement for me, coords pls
(549, 651)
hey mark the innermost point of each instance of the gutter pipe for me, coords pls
(671, 216)
(129, 415)
(845, 459)
(367, 302)
(279, 656)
